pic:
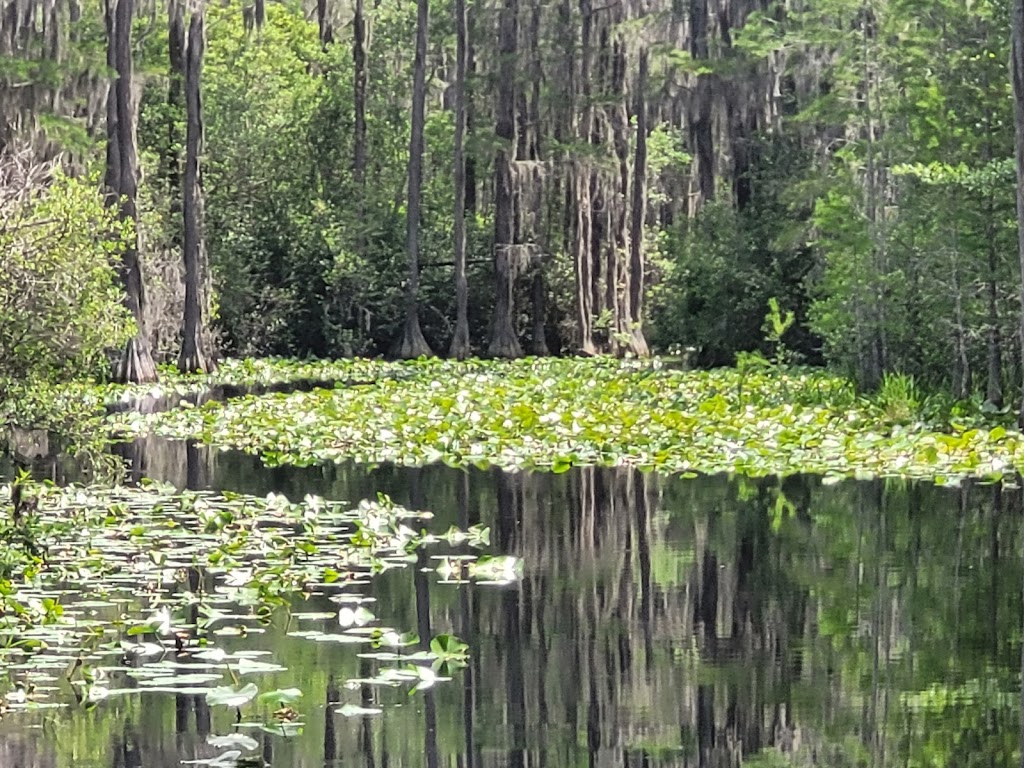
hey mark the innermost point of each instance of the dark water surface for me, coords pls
(659, 622)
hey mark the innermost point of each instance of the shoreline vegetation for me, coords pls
(552, 414)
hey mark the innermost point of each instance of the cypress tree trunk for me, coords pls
(534, 139)
(412, 344)
(171, 159)
(1017, 73)
(618, 245)
(538, 303)
(470, 107)
(994, 383)
(193, 358)
(323, 20)
(460, 341)
(504, 341)
(638, 215)
(582, 186)
(136, 362)
(700, 107)
(359, 95)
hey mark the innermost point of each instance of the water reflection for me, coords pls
(660, 621)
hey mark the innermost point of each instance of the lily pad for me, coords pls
(231, 697)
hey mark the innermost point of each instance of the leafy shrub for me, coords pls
(60, 304)
(899, 399)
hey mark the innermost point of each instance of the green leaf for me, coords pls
(281, 696)
(229, 696)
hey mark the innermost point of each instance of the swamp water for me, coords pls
(659, 621)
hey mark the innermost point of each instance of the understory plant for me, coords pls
(60, 301)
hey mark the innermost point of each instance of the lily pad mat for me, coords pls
(552, 414)
(108, 592)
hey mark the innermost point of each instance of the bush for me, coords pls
(60, 301)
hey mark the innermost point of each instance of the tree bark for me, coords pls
(412, 344)
(504, 340)
(359, 95)
(171, 160)
(1017, 73)
(582, 173)
(994, 383)
(136, 362)
(323, 19)
(701, 133)
(193, 358)
(618, 247)
(470, 106)
(638, 216)
(539, 342)
(460, 348)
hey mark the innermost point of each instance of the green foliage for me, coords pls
(718, 271)
(556, 414)
(712, 292)
(262, 553)
(60, 303)
(776, 323)
(306, 259)
(898, 398)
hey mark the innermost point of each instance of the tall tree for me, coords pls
(412, 344)
(582, 234)
(359, 98)
(638, 216)
(193, 358)
(701, 129)
(460, 348)
(170, 158)
(1017, 73)
(504, 340)
(122, 173)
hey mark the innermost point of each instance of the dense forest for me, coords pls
(188, 180)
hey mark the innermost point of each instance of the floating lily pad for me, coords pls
(282, 696)
(231, 697)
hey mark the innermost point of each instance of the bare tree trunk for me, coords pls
(412, 344)
(193, 358)
(504, 340)
(616, 290)
(460, 341)
(323, 20)
(470, 107)
(136, 362)
(359, 128)
(638, 215)
(1017, 73)
(584, 306)
(700, 111)
(539, 342)
(538, 290)
(583, 202)
(994, 383)
(171, 160)
(359, 95)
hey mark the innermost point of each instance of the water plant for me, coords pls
(556, 414)
(163, 582)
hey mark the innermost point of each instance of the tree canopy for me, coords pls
(518, 177)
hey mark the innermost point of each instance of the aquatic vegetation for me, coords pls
(556, 414)
(137, 591)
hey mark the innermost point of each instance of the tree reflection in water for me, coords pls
(660, 621)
